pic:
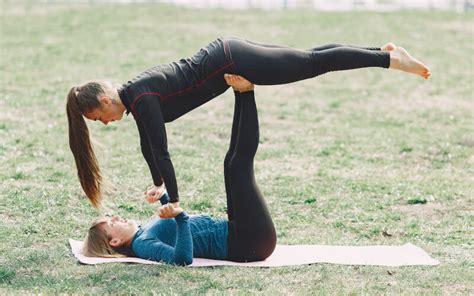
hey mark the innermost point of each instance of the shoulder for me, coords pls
(149, 233)
(147, 104)
(144, 246)
(147, 98)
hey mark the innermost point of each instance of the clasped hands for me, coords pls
(170, 210)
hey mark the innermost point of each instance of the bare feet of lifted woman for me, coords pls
(401, 60)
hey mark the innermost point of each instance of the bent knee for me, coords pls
(264, 247)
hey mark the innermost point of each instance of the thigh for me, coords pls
(270, 65)
(252, 235)
(266, 45)
(318, 48)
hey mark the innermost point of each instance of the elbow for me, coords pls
(184, 261)
(187, 261)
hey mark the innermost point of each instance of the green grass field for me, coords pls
(351, 158)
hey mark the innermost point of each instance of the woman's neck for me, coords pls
(117, 100)
(128, 243)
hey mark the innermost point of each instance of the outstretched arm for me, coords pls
(154, 193)
(154, 132)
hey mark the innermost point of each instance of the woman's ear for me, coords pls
(106, 100)
(115, 242)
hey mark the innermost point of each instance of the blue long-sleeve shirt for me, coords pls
(178, 240)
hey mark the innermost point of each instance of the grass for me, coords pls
(355, 158)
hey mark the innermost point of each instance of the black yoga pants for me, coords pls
(189, 83)
(252, 235)
(271, 64)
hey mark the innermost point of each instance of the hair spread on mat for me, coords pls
(97, 244)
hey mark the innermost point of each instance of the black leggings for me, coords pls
(271, 64)
(185, 85)
(252, 236)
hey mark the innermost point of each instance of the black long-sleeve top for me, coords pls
(166, 92)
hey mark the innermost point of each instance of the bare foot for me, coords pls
(401, 60)
(238, 83)
(388, 47)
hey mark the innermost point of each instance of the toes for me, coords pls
(230, 78)
(389, 46)
(401, 49)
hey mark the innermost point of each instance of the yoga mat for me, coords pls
(285, 255)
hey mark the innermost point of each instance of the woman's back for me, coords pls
(183, 85)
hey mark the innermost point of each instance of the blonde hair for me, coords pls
(96, 243)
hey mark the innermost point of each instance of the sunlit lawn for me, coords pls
(363, 157)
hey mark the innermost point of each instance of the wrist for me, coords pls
(181, 216)
(165, 198)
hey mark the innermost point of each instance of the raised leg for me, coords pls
(252, 234)
(319, 48)
(280, 65)
(230, 153)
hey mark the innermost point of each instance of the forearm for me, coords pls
(153, 133)
(168, 175)
(184, 243)
(155, 173)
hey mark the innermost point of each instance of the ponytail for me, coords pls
(79, 101)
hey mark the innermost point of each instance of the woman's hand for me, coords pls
(154, 193)
(169, 211)
(238, 83)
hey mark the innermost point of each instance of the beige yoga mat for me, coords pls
(285, 255)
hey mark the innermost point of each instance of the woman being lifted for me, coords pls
(166, 92)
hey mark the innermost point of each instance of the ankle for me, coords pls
(394, 60)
